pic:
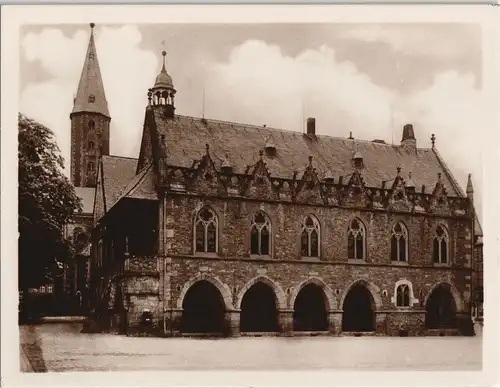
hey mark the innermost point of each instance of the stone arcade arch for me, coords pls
(280, 294)
(259, 300)
(204, 301)
(310, 312)
(441, 306)
(359, 303)
(311, 302)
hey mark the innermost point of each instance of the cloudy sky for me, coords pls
(370, 79)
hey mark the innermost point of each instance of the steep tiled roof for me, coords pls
(90, 96)
(86, 195)
(185, 139)
(117, 173)
(142, 185)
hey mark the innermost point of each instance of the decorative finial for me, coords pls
(310, 159)
(92, 25)
(261, 153)
(410, 183)
(207, 147)
(433, 140)
(164, 68)
(470, 188)
(150, 96)
(439, 176)
(398, 169)
(225, 162)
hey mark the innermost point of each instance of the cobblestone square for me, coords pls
(61, 347)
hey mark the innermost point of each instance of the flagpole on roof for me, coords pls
(303, 124)
(392, 122)
(203, 102)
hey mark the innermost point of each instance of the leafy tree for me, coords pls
(47, 202)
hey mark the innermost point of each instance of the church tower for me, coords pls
(90, 121)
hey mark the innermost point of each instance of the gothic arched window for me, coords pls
(399, 242)
(91, 146)
(310, 237)
(206, 231)
(260, 234)
(356, 240)
(403, 295)
(90, 167)
(91, 125)
(440, 245)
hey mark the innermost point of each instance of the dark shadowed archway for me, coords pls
(440, 310)
(203, 309)
(310, 310)
(258, 309)
(358, 309)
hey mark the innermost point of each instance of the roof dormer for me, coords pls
(357, 159)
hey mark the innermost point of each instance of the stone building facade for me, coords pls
(222, 228)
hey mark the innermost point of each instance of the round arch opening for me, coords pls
(258, 309)
(203, 309)
(359, 310)
(310, 309)
(440, 309)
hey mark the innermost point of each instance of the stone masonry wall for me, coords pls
(80, 136)
(232, 271)
(234, 223)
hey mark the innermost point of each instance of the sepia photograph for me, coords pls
(230, 195)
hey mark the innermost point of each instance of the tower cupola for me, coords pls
(163, 91)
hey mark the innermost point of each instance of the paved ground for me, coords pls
(61, 347)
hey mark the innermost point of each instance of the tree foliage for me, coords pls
(47, 202)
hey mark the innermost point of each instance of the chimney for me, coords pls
(408, 142)
(311, 126)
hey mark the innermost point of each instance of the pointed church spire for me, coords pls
(90, 96)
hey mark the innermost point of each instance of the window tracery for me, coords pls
(310, 237)
(440, 245)
(206, 231)
(399, 243)
(356, 240)
(260, 234)
(403, 295)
